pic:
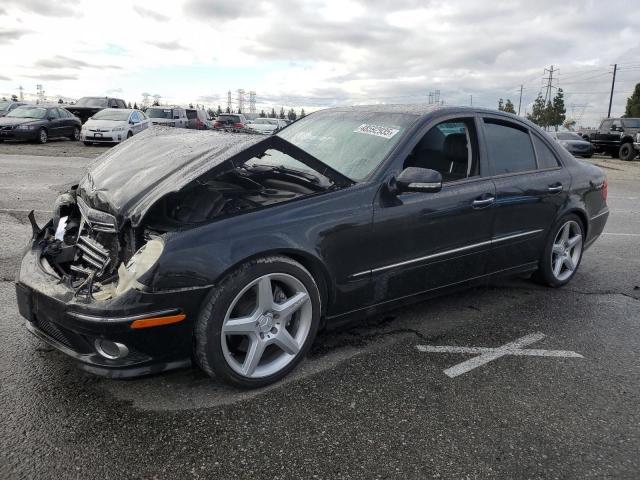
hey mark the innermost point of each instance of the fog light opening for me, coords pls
(111, 350)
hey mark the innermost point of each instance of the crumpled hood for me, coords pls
(128, 179)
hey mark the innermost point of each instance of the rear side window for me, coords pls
(510, 149)
(546, 158)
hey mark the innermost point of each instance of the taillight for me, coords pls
(238, 125)
(604, 191)
(217, 125)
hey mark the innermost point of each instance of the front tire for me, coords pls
(627, 152)
(88, 144)
(259, 323)
(43, 136)
(562, 253)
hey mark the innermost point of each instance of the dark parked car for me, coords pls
(574, 144)
(87, 107)
(231, 122)
(39, 123)
(616, 137)
(234, 249)
(7, 105)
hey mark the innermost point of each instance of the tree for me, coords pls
(281, 116)
(508, 107)
(219, 110)
(291, 115)
(129, 105)
(211, 113)
(239, 110)
(155, 103)
(633, 103)
(273, 113)
(14, 97)
(60, 101)
(262, 114)
(135, 105)
(302, 114)
(558, 111)
(501, 105)
(569, 124)
(228, 110)
(537, 111)
(191, 105)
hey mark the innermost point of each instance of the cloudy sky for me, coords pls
(320, 53)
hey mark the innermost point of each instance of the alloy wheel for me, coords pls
(43, 136)
(566, 250)
(266, 325)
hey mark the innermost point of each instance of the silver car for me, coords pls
(170, 116)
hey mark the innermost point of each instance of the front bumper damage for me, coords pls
(73, 323)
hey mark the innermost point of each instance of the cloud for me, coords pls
(169, 45)
(151, 14)
(59, 61)
(53, 77)
(48, 8)
(222, 10)
(9, 35)
(5, 79)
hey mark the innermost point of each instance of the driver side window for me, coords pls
(449, 148)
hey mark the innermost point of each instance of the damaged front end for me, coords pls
(90, 254)
(87, 281)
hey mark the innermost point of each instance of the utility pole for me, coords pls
(613, 83)
(520, 101)
(471, 100)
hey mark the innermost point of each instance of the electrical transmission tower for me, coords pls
(434, 98)
(21, 89)
(40, 93)
(229, 101)
(156, 99)
(241, 100)
(252, 102)
(145, 99)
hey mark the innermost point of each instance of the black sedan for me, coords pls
(39, 123)
(234, 249)
(574, 144)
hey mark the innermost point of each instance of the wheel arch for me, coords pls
(581, 214)
(314, 265)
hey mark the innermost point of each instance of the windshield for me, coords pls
(228, 118)
(160, 113)
(568, 136)
(92, 102)
(112, 115)
(352, 142)
(4, 105)
(631, 122)
(28, 112)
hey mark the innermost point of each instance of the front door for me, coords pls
(431, 240)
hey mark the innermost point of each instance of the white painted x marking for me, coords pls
(489, 354)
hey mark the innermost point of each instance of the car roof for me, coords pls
(120, 109)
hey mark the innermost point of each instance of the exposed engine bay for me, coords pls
(99, 259)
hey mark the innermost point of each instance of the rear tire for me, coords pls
(75, 136)
(562, 253)
(88, 144)
(627, 152)
(259, 323)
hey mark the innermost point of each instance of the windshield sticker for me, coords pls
(376, 130)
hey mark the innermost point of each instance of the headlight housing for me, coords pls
(138, 265)
(26, 127)
(118, 129)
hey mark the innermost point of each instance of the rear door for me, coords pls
(56, 124)
(531, 186)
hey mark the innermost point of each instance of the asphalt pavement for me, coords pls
(375, 400)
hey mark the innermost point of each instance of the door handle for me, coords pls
(555, 188)
(483, 202)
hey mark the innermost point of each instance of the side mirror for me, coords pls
(613, 128)
(414, 179)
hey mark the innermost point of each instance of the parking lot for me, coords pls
(549, 387)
